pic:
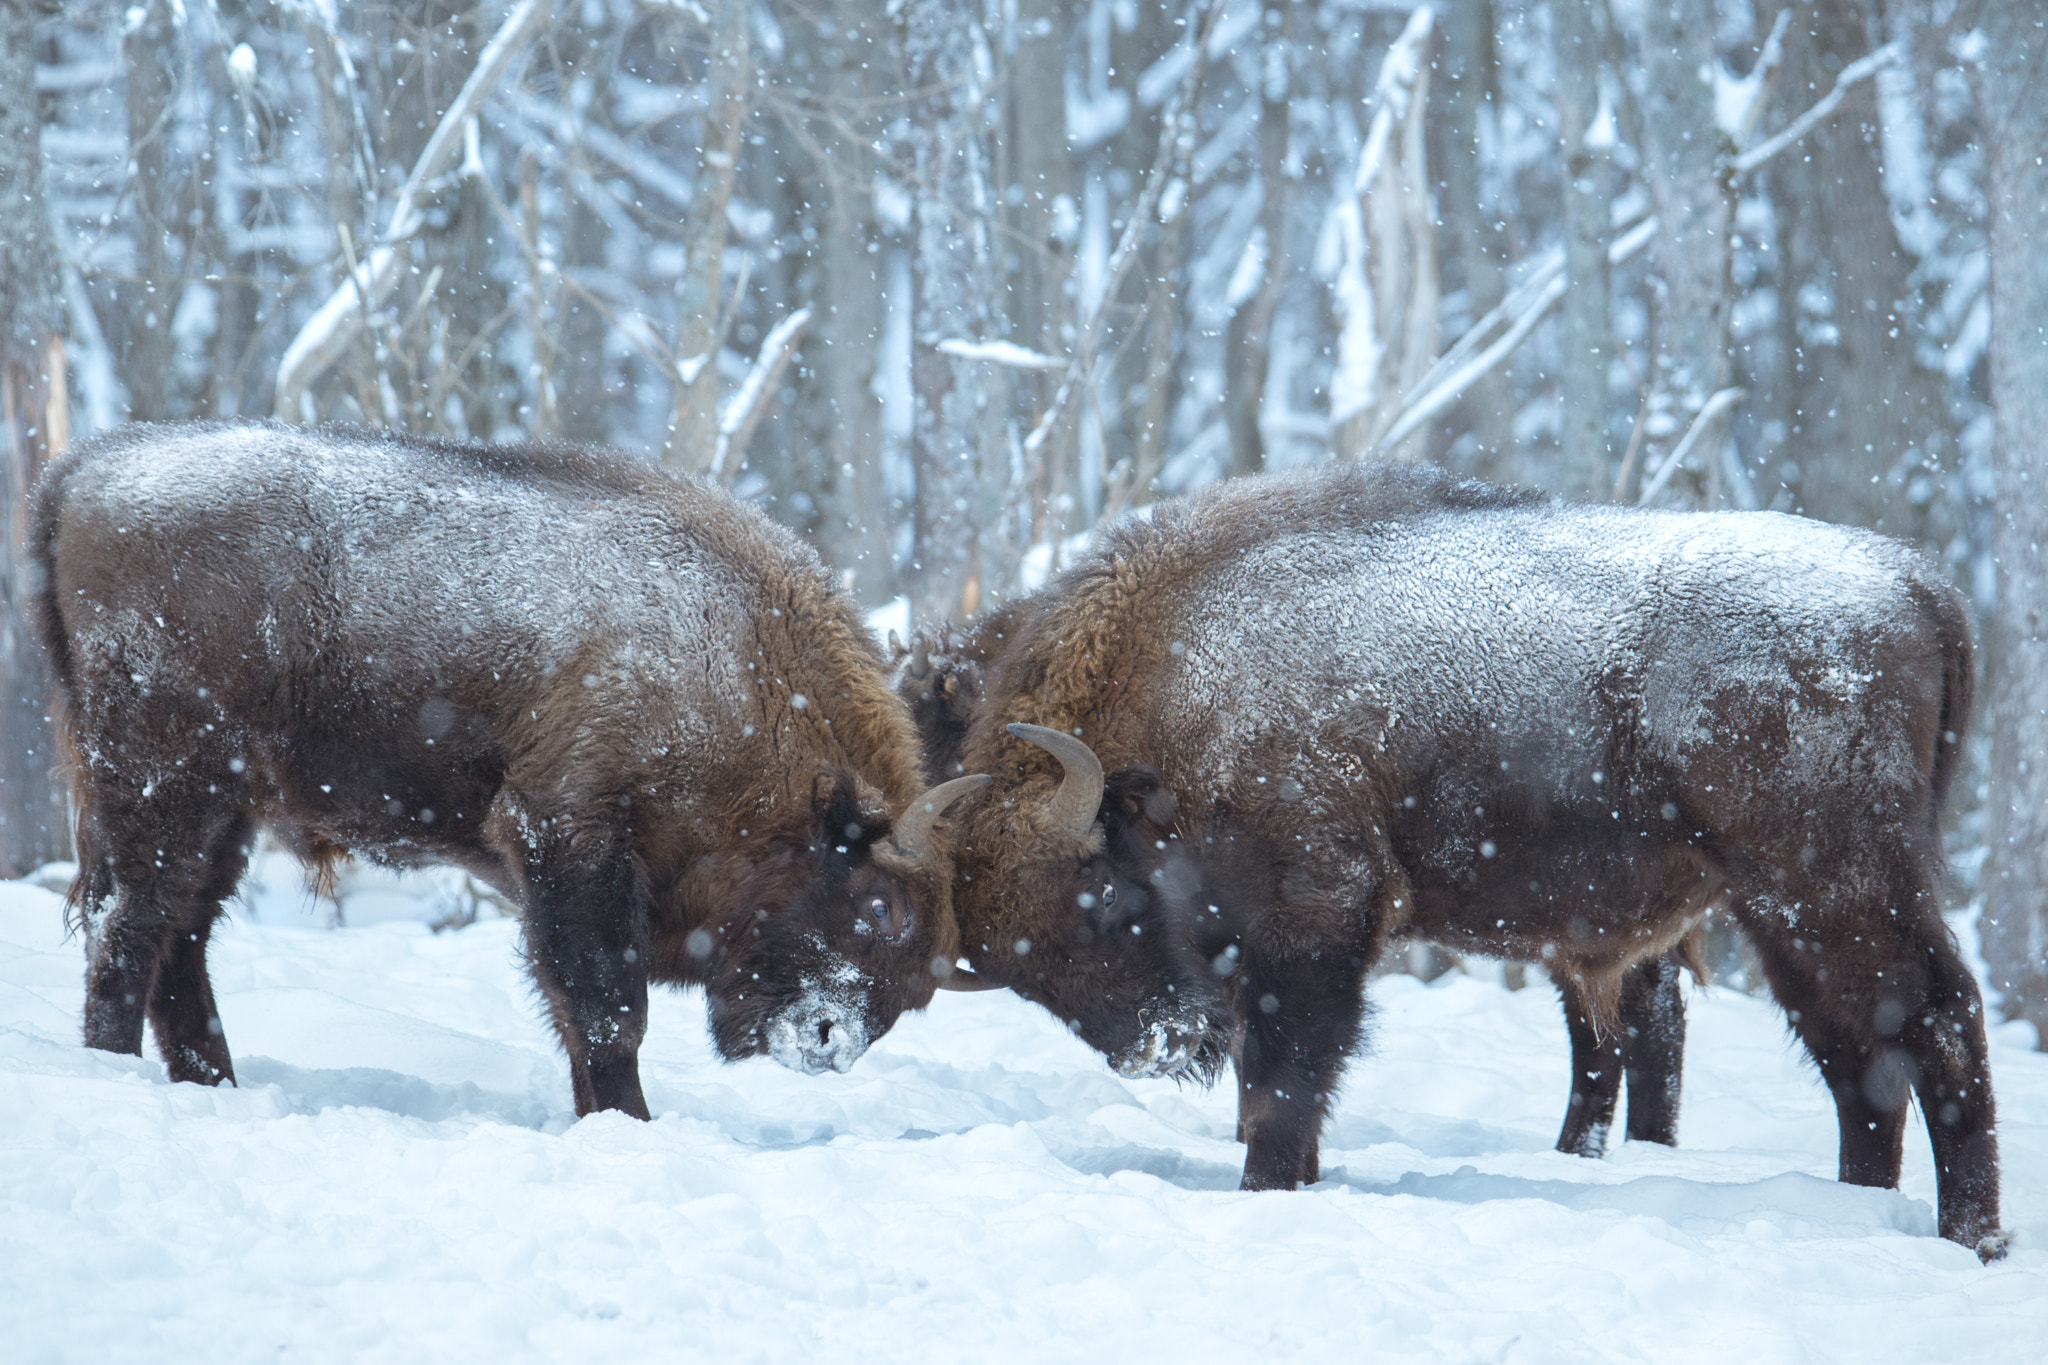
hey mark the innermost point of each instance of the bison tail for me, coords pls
(1958, 691)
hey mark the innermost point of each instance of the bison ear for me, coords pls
(1137, 804)
(851, 814)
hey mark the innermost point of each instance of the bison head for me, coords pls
(1090, 897)
(829, 942)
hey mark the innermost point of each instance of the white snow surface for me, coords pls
(400, 1178)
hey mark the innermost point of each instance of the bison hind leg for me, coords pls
(1596, 1071)
(156, 866)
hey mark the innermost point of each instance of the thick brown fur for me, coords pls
(1366, 702)
(631, 704)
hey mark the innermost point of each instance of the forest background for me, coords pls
(944, 285)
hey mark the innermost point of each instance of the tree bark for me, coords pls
(1686, 172)
(2012, 102)
(1251, 326)
(150, 52)
(960, 556)
(693, 434)
(34, 426)
(1857, 406)
(1586, 463)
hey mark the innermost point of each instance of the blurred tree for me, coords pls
(34, 426)
(2012, 96)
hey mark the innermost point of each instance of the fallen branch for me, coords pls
(338, 321)
(745, 409)
(1712, 408)
(1176, 126)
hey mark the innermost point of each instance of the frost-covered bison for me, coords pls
(631, 704)
(1648, 1048)
(1240, 747)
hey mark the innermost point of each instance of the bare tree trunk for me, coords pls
(1251, 326)
(34, 426)
(2012, 102)
(958, 454)
(1686, 172)
(1587, 464)
(1043, 173)
(1857, 404)
(1474, 256)
(693, 434)
(150, 52)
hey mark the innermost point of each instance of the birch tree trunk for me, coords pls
(34, 425)
(1043, 174)
(693, 433)
(1586, 465)
(958, 455)
(1686, 173)
(2012, 102)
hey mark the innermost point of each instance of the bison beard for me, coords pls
(1331, 710)
(629, 703)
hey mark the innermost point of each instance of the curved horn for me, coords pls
(1075, 804)
(963, 979)
(914, 830)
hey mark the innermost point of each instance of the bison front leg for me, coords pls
(1653, 1048)
(1596, 1074)
(1299, 1020)
(586, 941)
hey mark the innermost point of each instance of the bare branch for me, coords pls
(745, 409)
(1466, 361)
(1855, 72)
(1714, 407)
(1176, 127)
(337, 322)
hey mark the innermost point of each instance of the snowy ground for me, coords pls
(400, 1178)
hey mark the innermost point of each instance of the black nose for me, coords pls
(824, 1030)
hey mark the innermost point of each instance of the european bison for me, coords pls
(1648, 1047)
(630, 703)
(1241, 746)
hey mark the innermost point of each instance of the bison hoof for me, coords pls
(1994, 1247)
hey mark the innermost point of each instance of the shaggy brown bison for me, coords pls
(1647, 1049)
(631, 704)
(1243, 745)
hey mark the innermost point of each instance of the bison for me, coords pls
(1242, 746)
(1648, 1047)
(633, 705)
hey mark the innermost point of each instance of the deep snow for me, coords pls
(400, 1178)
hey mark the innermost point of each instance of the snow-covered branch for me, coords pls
(1852, 74)
(1007, 353)
(1472, 355)
(1177, 129)
(745, 409)
(1386, 285)
(337, 322)
(1711, 409)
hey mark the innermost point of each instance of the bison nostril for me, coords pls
(824, 1030)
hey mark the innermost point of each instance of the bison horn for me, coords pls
(914, 830)
(1075, 804)
(962, 979)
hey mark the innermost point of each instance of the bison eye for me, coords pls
(879, 908)
(1108, 895)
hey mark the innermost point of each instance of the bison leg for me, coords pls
(1299, 1022)
(586, 940)
(1653, 1048)
(182, 1013)
(157, 867)
(1886, 1007)
(1596, 1075)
